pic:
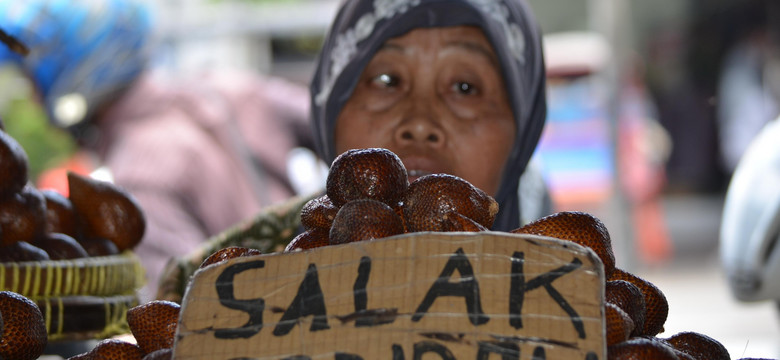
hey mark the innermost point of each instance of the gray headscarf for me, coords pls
(362, 26)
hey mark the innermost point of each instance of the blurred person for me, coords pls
(198, 154)
(748, 92)
(588, 159)
(455, 86)
(643, 148)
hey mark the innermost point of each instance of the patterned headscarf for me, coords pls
(362, 26)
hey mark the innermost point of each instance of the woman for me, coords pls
(357, 44)
(454, 86)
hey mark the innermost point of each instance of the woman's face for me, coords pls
(435, 97)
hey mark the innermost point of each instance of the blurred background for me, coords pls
(639, 122)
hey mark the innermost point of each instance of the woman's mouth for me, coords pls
(417, 167)
(415, 174)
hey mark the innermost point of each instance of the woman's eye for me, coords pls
(385, 80)
(464, 88)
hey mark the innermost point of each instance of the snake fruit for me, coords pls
(362, 220)
(13, 167)
(112, 349)
(22, 328)
(162, 354)
(656, 305)
(98, 246)
(629, 298)
(430, 198)
(60, 216)
(579, 227)
(229, 253)
(309, 239)
(642, 348)
(154, 324)
(61, 247)
(698, 346)
(22, 251)
(22, 216)
(619, 324)
(372, 173)
(107, 211)
(318, 213)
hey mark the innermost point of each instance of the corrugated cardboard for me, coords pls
(483, 295)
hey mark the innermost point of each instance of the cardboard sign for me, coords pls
(425, 296)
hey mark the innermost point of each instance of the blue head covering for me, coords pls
(362, 26)
(81, 51)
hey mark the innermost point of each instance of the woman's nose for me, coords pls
(420, 129)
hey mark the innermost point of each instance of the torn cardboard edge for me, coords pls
(453, 295)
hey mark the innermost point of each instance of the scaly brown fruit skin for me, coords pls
(318, 213)
(365, 219)
(60, 216)
(431, 197)
(457, 222)
(22, 328)
(619, 325)
(373, 173)
(162, 354)
(22, 216)
(698, 346)
(61, 247)
(106, 211)
(641, 348)
(629, 298)
(656, 305)
(13, 166)
(154, 324)
(399, 210)
(22, 251)
(98, 246)
(309, 239)
(579, 227)
(229, 253)
(112, 349)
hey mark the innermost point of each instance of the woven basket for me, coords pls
(80, 299)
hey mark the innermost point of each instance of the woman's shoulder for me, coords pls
(269, 231)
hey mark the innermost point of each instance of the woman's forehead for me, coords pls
(469, 39)
(448, 34)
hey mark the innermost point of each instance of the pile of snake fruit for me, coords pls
(368, 196)
(45, 235)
